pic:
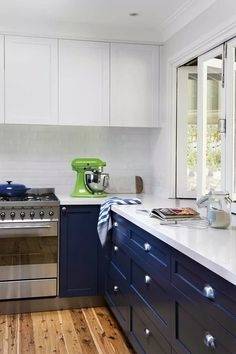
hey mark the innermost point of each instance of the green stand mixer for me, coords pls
(91, 181)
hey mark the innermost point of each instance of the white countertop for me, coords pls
(213, 248)
(66, 199)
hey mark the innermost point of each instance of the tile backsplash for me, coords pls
(40, 156)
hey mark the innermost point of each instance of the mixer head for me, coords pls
(87, 164)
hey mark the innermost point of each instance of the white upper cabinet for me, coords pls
(1, 79)
(134, 85)
(31, 80)
(83, 83)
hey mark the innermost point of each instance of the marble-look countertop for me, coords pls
(66, 199)
(213, 248)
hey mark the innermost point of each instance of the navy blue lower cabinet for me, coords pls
(165, 302)
(79, 266)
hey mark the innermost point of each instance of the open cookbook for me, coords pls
(174, 213)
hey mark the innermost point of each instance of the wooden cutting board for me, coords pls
(125, 185)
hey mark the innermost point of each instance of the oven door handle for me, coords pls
(24, 227)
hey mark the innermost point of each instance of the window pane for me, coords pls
(187, 131)
(213, 142)
(192, 133)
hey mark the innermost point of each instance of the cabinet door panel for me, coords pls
(134, 80)
(79, 251)
(1, 79)
(84, 83)
(31, 80)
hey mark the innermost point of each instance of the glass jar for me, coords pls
(219, 210)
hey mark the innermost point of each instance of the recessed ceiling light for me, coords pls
(133, 14)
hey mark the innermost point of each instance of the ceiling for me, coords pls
(157, 21)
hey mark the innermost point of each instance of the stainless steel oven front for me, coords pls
(28, 259)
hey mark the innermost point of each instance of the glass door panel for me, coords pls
(231, 118)
(211, 149)
(187, 131)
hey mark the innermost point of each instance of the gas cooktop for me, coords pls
(40, 203)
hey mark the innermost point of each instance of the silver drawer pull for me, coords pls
(147, 279)
(147, 332)
(115, 224)
(115, 248)
(147, 247)
(209, 292)
(209, 341)
(116, 288)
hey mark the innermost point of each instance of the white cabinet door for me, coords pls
(83, 83)
(134, 85)
(31, 80)
(1, 79)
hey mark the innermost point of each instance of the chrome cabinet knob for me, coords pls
(116, 249)
(32, 214)
(209, 340)
(147, 247)
(147, 332)
(63, 209)
(147, 279)
(22, 214)
(116, 288)
(115, 224)
(209, 292)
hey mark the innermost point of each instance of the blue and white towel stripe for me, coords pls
(104, 220)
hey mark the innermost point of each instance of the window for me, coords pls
(206, 115)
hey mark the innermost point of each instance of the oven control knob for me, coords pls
(22, 214)
(41, 214)
(12, 214)
(32, 214)
(51, 213)
(2, 215)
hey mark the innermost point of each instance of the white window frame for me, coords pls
(182, 111)
(202, 121)
(230, 95)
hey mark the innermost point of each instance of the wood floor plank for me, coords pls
(27, 344)
(3, 327)
(54, 335)
(40, 331)
(102, 343)
(112, 331)
(71, 339)
(83, 333)
(12, 334)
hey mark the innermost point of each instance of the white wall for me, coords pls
(40, 156)
(217, 22)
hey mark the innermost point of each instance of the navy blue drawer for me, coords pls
(198, 334)
(216, 296)
(117, 294)
(156, 292)
(120, 258)
(140, 243)
(146, 335)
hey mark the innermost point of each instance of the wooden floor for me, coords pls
(92, 330)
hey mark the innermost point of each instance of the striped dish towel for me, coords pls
(104, 219)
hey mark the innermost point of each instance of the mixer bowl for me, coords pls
(97, 182)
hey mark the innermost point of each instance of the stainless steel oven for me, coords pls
(29, 252)
(28, 259)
